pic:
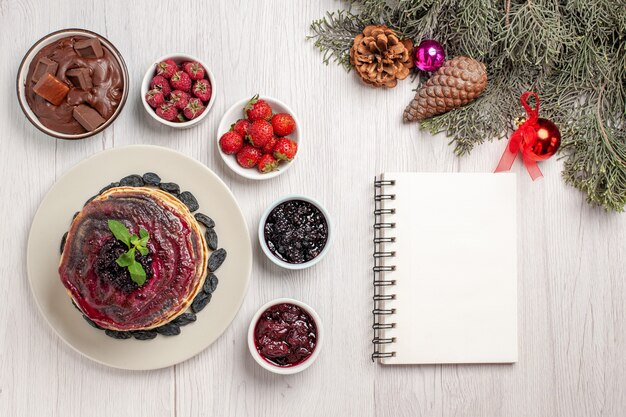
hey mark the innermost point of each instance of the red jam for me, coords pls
(285, 335)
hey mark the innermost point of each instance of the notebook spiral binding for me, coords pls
(380, 282)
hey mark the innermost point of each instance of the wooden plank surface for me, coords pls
(572, 266)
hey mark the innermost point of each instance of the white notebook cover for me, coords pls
(456, 268)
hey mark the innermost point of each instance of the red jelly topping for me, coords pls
(285, 335)
(104, 293)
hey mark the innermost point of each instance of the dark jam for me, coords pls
(109, 271)
(285, 335)
(296, 231)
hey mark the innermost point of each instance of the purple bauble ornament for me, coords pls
(429, 55)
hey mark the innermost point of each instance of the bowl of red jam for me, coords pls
(285, 336)
(295, 232)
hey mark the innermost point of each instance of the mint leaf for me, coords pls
(126, 259)
(134, 244)
(137, 274)
(120, 232)
(144, 237)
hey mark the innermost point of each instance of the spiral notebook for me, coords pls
(445, 268)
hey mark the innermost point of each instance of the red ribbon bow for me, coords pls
(524, 134)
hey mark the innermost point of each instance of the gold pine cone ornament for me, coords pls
(458, 82)
(380, 58)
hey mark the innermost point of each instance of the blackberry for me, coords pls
(108, 270)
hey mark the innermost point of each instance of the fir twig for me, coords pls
(572, 52)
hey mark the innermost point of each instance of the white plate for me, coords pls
(234, 113)
(69, 194)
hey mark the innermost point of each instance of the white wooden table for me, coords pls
(572, 258)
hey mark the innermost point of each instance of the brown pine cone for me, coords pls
(458, 82)
(380, 58)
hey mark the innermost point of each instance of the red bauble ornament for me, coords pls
(536, 139)
(542, 140)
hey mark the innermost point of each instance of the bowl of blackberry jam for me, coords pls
(295, 232)
(285, 336)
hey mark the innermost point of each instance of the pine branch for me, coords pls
(334, 34)
(572, 52)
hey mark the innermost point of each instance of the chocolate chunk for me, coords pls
(80, 78)
(88, 117)
(52, 89)
(89, 48)
(44, 66)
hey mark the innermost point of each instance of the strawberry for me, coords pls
(231, 142)
(166, 68)
(269, 146)
(161, 83)
(202, 89)
(155, 97)
(179, 99)
(257, 109)
(167, 111)
(285, 149)
(241, 126)
(248, 156)
(260, 132)
(193, 109)
(267, 163)
(194, 69)
(283, 124)
(181, 81)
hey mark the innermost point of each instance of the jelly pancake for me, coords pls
(175, 265)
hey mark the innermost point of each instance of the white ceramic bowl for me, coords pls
(280, 262)
(291, 369)
(25, 65)
(179, 59)
(234, 113)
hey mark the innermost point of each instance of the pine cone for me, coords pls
(380, 58)
(458, 82)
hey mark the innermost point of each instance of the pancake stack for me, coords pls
(176, 265)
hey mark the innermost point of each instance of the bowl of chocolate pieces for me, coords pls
(72, 84)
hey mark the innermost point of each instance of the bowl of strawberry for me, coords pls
(178, 90)
(259, 137)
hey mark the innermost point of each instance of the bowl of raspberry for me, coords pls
(259, 137)
(178, 90)
(285, 336)
(295, 232)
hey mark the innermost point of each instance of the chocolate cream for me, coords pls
(104, 96)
